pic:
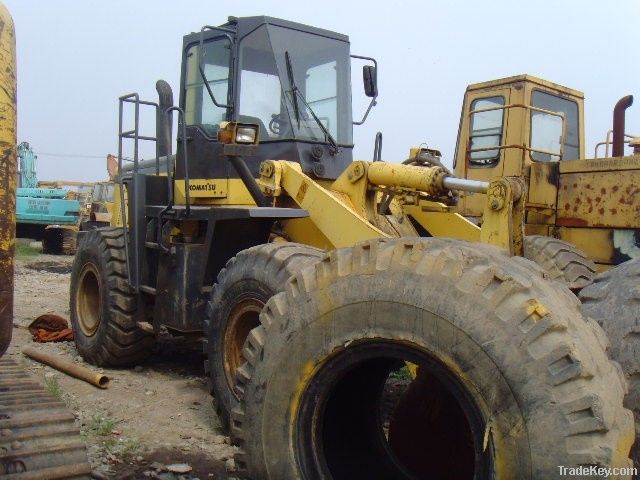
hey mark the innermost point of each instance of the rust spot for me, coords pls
(613, 211)
(603, 190)
(575, 208)
(615, 188)
(567, 206)
(564, 187)
(598, 199)
(588, 185)
(572, 222)
(578, 200)
(590, 208)
(625, 201)
(575, 185)
(589, 201)
(601, 211)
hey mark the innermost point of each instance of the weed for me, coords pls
(403, 373)
(24, 250)
(53, 387)
(129, 447)
(101, 425)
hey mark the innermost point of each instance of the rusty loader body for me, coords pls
(533, 129)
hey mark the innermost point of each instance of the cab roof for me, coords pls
(525, 78)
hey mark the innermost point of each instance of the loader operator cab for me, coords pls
(292, 80)
(510, 124)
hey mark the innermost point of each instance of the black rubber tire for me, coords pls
(59, 241)
(561, 260)
(515, 341)
(251, 277)
(52, 242)
(613, 300)
(104, 310)
(69, 241)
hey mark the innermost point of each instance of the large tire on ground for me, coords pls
(530, 379)
(104, 309)
(613, 300)
(561, 260)
(243, 287)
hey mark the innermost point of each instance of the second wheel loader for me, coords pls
(317, 283)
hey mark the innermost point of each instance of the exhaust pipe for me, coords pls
(618, 125)
(163, 120)
(8, 175)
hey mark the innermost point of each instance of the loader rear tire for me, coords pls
(104, 309)
(531, 384)
(243, 287)
(613, 300)
(561, 260)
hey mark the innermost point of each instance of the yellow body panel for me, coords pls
(597, 243)
(8, 174)
(599, 199)
(600, 164)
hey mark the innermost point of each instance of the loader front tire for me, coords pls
(561, 260)
(104, 309)
(613, 300)
(513, 383)
(243, 287)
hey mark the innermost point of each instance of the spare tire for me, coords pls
(613, 300)
(532, 386)
(243, 286)
(561, 260)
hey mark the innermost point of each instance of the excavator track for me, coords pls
(38, 435)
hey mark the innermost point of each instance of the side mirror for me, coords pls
(370, 80)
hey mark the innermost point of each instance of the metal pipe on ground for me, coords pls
(70, 368)
(8, 174)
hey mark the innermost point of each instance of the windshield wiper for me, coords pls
(296, 94)
(293, 86)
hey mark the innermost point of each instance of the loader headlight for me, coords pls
(240, 133)
(247, 135)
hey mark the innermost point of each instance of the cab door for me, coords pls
(482, 142)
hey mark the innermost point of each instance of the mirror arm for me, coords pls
(373, 102)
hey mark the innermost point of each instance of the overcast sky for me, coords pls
(76, 57)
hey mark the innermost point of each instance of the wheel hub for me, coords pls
(88, 300)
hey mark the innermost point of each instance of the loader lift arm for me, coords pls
(353, 196)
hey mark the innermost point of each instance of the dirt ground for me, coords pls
(151, 416)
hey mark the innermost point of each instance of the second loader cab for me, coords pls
(509, 124)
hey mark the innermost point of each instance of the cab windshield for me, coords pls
(317, 67)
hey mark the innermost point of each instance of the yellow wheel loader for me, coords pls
(343, 339)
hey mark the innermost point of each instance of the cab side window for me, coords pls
(486, 127)
(546, 129)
